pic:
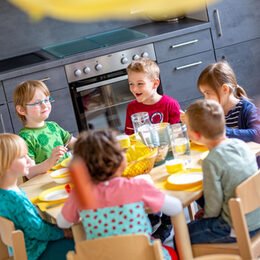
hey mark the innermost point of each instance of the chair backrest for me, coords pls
(11, 238)
(247, 200)
(127, 247)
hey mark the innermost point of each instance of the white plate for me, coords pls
(55, 193)
(187, 178)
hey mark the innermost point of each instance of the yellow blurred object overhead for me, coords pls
(84, 10)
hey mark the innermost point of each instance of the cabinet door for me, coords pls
(184, 45)
(5, 121)
(2, 95)
(234, 21)
(62, 112)
(179, 77)
(244, 59)
(54, 78)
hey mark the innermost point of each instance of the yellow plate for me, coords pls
(198, 147)
(185, 180)
(204, 155)
(57, 193)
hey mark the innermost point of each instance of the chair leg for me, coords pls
(191, 211)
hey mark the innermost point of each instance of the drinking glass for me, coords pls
(139, 120)
(180, 143)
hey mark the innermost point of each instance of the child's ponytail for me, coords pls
(240, 92)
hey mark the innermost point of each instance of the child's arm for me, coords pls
(43, 167)
(250, 130)
(171, 206)
(72, 142)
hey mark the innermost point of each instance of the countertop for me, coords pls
(156, 31)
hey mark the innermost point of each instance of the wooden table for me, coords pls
(38, 184)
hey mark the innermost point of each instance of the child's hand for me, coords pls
(182, 117)
(199, 214)
(57, 153)
(67, 233)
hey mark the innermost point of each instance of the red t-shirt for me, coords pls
(166, 110)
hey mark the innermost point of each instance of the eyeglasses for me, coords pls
(40, 102)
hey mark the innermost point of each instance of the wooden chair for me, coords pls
(11, 238)
(247, 200)
(127, 247)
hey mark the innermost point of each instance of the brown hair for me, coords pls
(24, 93)
(217, 74)
(146, 66)
(207, 118)
(11, 147)
(101, 152)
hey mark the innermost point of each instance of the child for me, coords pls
(45, 140)
(228, 163)
(218, 82)
(143, 78)
(106, 162)
(42, 239)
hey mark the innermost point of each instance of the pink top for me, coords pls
(115, 192)
(165, 110)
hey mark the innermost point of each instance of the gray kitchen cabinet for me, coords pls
(244, 59)
(179, 77)
(62, 112)
(2, 95)
(234, 21)
(184, 45)
(54, 78)
(5, 121)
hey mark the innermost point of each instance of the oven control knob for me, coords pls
(124, 60)
(145, 54)
(87, 70)
(99, 67)
(136, 56)
(77, 72)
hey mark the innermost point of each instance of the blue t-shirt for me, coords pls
(16, 207)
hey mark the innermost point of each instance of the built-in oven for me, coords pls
(99, 88)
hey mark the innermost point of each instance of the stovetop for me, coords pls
(21, 61)
(94, 42)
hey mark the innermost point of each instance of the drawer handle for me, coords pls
(219, 28)
(188, 65)
(2, 122)
(184, 43)
(45, 79)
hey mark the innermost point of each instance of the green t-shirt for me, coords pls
(41, 141)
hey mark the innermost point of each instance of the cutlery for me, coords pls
(54, 205)
(68, 141)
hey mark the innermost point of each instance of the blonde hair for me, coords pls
(217, 74)
(11, 147)
(145, 65)
(24, 93)
(207, 118)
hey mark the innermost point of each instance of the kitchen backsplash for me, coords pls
(20, 35)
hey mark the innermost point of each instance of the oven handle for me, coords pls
(101, 83)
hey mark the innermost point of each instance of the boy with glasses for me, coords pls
(45, 140)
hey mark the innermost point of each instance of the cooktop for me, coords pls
(93, 42)
(20, 61)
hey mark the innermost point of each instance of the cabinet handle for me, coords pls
(2, 122)
(45, 79)
(218, 23)
(188, 65)
(184, 43)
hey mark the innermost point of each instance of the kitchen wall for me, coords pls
(19, 35)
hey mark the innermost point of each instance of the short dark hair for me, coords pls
(101, 153)
(207, 118)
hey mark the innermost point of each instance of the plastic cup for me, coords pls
(175, 165)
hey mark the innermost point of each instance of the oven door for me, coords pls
(101, 102)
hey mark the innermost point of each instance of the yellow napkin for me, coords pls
(44, 204)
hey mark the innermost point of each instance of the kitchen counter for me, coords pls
(156, 31)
